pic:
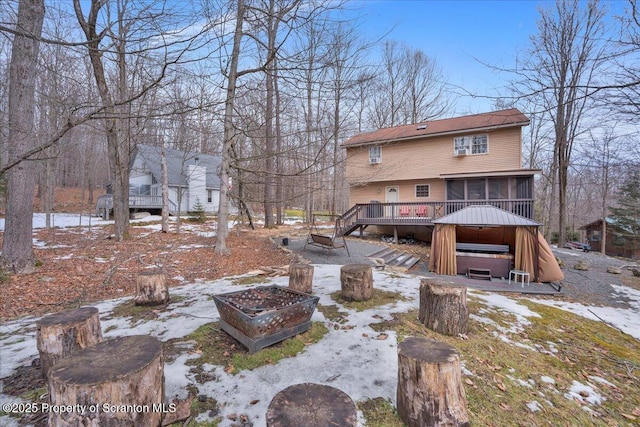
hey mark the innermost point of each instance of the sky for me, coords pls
(461, 36)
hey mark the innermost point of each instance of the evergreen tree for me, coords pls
(198, 213)
(626, 215)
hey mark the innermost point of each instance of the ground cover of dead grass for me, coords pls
(522, 379)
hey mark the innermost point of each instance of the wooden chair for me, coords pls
(405, 210)
(421, 210)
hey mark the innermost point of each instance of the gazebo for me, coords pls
(488, 225)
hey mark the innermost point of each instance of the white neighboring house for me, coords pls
(193, 178)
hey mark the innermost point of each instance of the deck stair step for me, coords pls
(393, 259)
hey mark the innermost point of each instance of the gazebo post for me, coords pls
(537, 258)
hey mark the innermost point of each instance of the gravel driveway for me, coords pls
(593, 286)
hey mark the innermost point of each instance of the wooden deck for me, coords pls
(104, 204)
(363, 215)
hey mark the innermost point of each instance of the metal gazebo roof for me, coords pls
(484, 216)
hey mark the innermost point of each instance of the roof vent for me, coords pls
(422, 127)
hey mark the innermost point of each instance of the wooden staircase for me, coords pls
(393, 259)
(348, 221)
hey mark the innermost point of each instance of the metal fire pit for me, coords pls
(262, 316)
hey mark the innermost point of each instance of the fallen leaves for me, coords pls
(186, 256)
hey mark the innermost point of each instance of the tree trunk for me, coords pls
(151, 289)
(118, 382)
(280, 214)
(270, 179)
(58, 335)
(430, 391)
(356, 282)
(301, 277)
(311, 405)
(229, 135)
(17, 250)
(443, 308)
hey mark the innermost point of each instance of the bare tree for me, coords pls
(131, 51)
(119, 153)
(427, 97)
(229, 139)
(563, 62)
(626, 92)
(410, 88)
(17, 250)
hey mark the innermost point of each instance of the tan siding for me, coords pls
(406, 189)
(365, 194)
(428, 158)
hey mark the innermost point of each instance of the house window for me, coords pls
(455, 190)
(422, 190)
(476, 189)
(209, 196)
(522, 188)
(476, 144)
(375, 155)
(139, 190)
(480, 144)
(461, 142)
(461, 145)
(498, 188)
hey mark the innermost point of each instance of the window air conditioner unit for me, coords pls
(374, 160)
(462, 151)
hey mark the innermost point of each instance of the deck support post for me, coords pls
(395, 234)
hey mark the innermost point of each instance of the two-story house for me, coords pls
(407, 176)
(193, 179)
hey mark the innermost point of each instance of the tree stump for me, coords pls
(301, 277)
(311, 405)
(356, 281)
(443, 307)
(151, 289)
(60, 334)
(117, 382)
(430, 391)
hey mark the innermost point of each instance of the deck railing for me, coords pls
(105, 203)
(421, 213)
